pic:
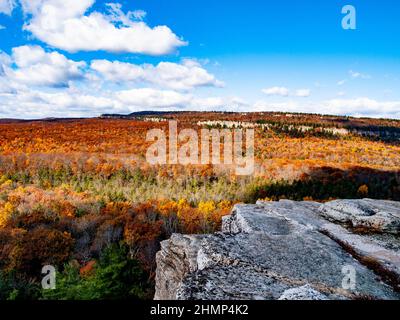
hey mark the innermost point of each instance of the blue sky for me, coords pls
(84, 58)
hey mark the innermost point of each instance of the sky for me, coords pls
(68, 58)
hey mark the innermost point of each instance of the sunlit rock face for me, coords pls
(343, 249)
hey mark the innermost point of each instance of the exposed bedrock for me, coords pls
(344, 249)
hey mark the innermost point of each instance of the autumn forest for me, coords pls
(79, 194)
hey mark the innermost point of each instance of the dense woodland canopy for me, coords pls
(79, 194)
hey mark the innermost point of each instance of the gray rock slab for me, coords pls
(274, 250)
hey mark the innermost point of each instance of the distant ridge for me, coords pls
(139, 114)
(11, 120)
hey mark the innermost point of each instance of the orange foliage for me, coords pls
(105, 146)
(87, 269)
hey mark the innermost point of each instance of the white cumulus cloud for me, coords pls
(184, 76)
(32, 65)
(276, 91)
(67, 25)
(302, 93)
(285, 92)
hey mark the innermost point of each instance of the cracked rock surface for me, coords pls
(289, 251)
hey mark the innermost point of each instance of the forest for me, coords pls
(78, 194)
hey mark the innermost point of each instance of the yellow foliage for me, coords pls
(207, 207)
(183, 206)
(7, 183)
(5, 213)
